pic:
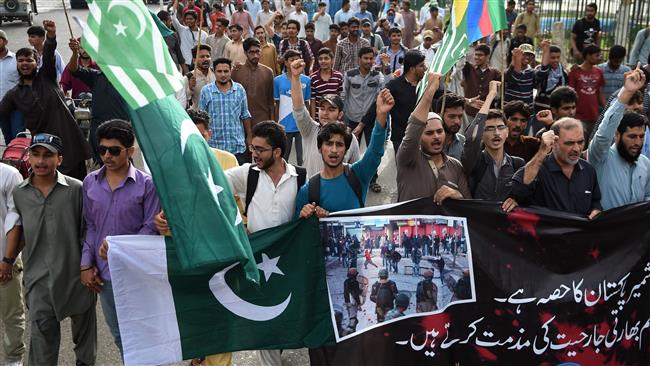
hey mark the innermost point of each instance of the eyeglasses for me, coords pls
(495, 128)
(113, 150)
(258, 150)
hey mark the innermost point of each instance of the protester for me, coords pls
(421, 155)
(347, 50)
(200, 76)
(264, 15)
(269, 54)
(477, 77)
(188, 34)
(641, 47)
(257, 81)
(613, 71)
(314, 44)
(9, 77)
(585, 32)
(218, 40)
(410, 27)
(296, 44)
(244, 18)
(391, 57)
(234, 49)
(366, 32)
(427, 47)
(53, 290)
(587, 80)
(322, 22)
(324, 81)
(520, 75)
(518, 143)
(344, 14)
(452, 120)
(331, 43)
(73, 85)
(530, 19)
(36, 38)
(549, 76)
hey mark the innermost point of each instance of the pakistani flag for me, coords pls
(126, 43)
(167, 314)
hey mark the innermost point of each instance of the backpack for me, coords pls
(385, 294)
(481, 167)
(254, 176)
(17, 153)
(353, 181)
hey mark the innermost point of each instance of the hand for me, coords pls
(50, 28)
(634, 80)
(192, 82)
(91, 280)
(385, 58)
(475, 102)
(103, 250)
(321, 212)
(517, 56)
(74, 45)
(594, 213)
(385, 101)
(297, 68)
(545, 117)
(308, 210)
(494, 87)
(445, 192)
(160, 222)
(6, 272)
(509, 204)
(545, 45)
(433, 80)
(237, 65)
(357, 131)
(548, 140)
(249, 140)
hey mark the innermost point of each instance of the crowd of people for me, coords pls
(264, 79)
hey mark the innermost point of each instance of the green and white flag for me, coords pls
(167, 314)
(124, 40)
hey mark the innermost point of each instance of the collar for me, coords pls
(101, 173)
(553, 165)
(218, 91)
(288, 169)
(9, 55)
(60, 179)
(445, 158)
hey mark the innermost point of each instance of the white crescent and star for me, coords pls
(120, 28)
(131, 6)
(240, 307)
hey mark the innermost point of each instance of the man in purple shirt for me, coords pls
(118, 199)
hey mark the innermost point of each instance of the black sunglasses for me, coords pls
(113, 150)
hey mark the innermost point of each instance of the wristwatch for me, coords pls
(10, 261)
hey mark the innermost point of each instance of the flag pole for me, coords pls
(503, 67)
(444, 94)
(65, 10)
(198, 45)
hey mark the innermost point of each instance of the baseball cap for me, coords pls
(366, 21)
(527, 48)
(333, 100)
(427, 34)
(50, 142)
(3, 35)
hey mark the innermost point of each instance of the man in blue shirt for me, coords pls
(336, 190)
(363, 12)
(284, 107)
(623, 172)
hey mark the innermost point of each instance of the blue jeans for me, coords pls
(11, 127)
(108, 308)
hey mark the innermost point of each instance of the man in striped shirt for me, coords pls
(520, 75)
(324, 81)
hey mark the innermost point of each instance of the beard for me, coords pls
(450, 130)
(29, 76)
(267, 163)
(622, 151)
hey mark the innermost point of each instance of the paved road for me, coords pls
(107, 353)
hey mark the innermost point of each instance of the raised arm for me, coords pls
(474, 132)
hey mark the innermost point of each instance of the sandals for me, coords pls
(375, 187)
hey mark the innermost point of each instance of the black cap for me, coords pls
(50, 142)
(334, 100)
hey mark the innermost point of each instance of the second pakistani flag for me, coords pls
(167, 314)
(124, 40)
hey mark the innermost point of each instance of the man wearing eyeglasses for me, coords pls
(48, 211)
(118, 199)
(489, 170)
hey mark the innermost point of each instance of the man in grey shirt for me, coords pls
(423, 169)
(48, 211)
(329, 111)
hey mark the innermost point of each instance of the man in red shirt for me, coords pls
(587, 80)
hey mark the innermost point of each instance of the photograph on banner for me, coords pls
(383, 268)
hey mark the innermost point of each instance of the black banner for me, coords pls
(551, 289)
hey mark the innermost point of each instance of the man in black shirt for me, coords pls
(557, 177)
(585, 32)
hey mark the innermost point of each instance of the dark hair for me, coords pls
(590, 50)
(222, 60)
(335, 26)
(36, 30)
(191, 13)
(291, 53)
(366, 50)
(637, 98)
(512, 2)
(27, 52)
(337, 128)
(593, 6)
(163, 15)
(354, 20)
(617, 52)
(451, 101)
(483, 48)
(343, 24)
(203, 47)
(411, 59)
(250, 42)
(516, 106)
(199, 117)
(118, 129)
(522, 27)
(259, 27)
(562, 95)
(294, 22)
(273, 133)
(631, 120)
(394, 30)
(345, 2)
(495, 114)
(236, 26)
(325, 51)
(554, 49)
(530, 1)
(310, 25)
(320, 4)
(225, 22)
(406, 2)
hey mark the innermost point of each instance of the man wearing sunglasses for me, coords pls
(118, 199)
(487, 166)
(48, 211)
